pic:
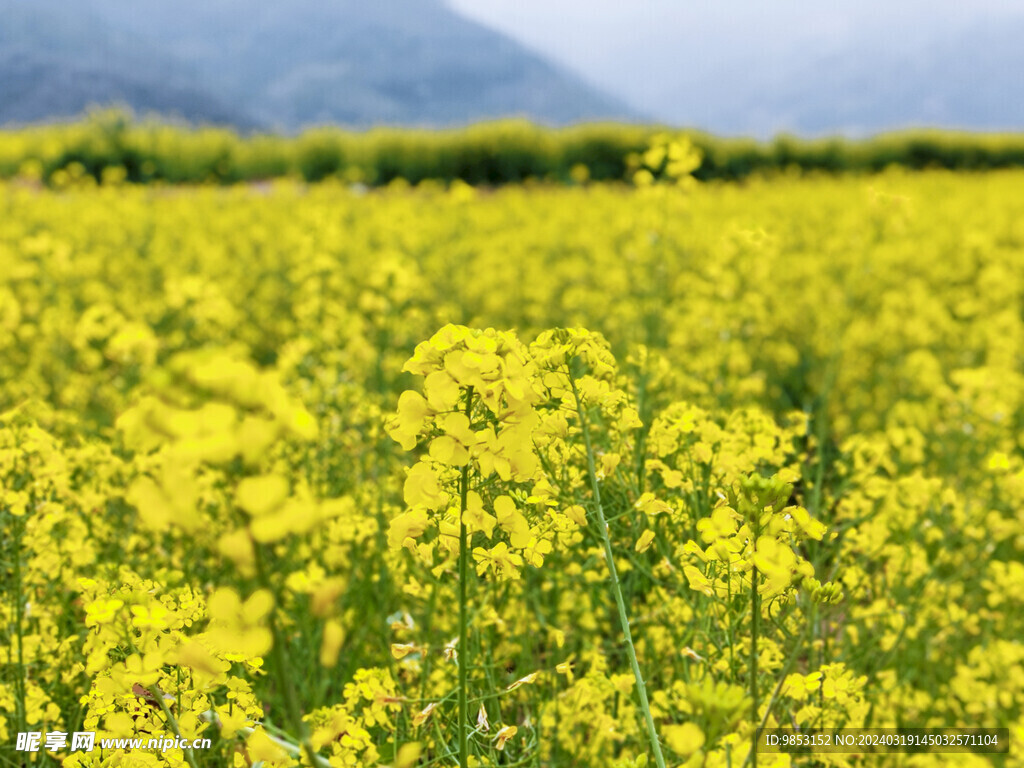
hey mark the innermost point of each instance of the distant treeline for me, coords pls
(111, 147)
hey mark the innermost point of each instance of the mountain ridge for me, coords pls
(258, 64)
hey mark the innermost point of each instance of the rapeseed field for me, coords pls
(595, 475)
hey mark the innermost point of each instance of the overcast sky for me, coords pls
(649, 51)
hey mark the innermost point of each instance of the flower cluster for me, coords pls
(477, 411)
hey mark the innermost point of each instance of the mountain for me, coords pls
(967, 78)
(279, 65)
(737, 67)
(57, 61)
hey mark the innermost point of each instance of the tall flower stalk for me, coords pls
(620, 601)
(463, 605)
(477, 415)
(755, 616)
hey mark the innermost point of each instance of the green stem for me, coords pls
(755, 615)
(19, 619)
(797, 647)
(463, 602)
(291, 698)
(620, 601)
(173, 723)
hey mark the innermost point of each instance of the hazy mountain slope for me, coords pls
(734, 66)
(959, 77)
(968, 78)
(356, 62)
(56, 60)
(361, 62)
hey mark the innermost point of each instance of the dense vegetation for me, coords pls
(111, 147)
(267, 477)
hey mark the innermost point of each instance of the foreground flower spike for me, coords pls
(476, 416)
(477, 412)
